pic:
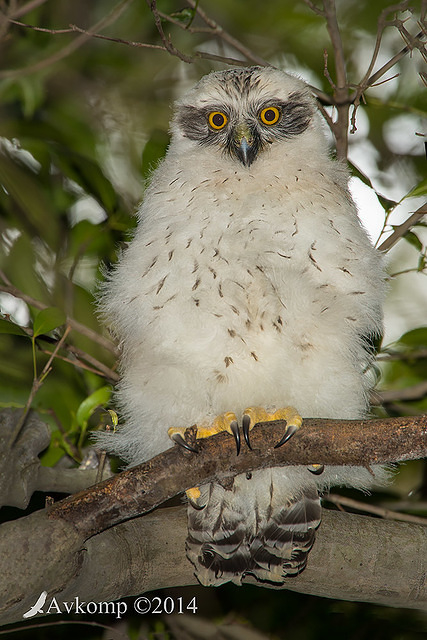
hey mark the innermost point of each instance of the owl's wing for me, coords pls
(256, 526)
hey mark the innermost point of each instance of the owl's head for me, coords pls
(242, 111)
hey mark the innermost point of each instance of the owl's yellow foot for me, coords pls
(193, 496)
(253, 415)
(224, 422)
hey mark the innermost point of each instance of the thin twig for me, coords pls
(406, 505)
(326, 70)
(368, 80)
(166, 40)
(336, 40)
(130, 43)
(392, 62)
(415, 392)
(218, 31)
(99, 369)
(70, 47)
(388, 356)
(383, 512)
(315, 8)
(326, 115)
(340, 96)
(401, 229)
(205, 55)
(411, 270)
(53, 32)
(26, 8)
(74, 324)
(37, 383)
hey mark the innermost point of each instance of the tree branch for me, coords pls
(330, 13)
(69, 48)
(166, 40)
(401, 229)
(355, 558)
(26, 8)
(415, 392)
(37, 383)
(218, 31)
(334, 442)
(368, 80)
(43, 551)
(74, 324)
(383, 512)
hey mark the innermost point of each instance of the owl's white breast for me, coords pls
(245, 286)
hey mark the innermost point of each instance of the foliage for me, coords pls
(82, 123)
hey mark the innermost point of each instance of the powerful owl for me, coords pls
(250, 292)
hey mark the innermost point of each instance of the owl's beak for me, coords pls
(244, 144)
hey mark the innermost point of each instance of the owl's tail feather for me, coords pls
(225, 545)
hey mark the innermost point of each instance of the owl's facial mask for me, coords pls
(243, 131)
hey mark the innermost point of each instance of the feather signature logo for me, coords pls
(141, 606)
(37, 607)
(76, 605)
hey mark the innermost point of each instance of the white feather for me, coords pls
(244, 286)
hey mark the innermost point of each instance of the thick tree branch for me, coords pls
(361, 558)
(354, 558)
(336, 442)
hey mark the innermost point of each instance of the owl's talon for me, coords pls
(290, 430)
(255, 415)
(246, 423)
(198, 507)
(187, 437)
(178, 439)
(193, 495)
(234, 428)
(316, 469)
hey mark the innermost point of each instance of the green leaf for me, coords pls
(86, 173)
(416, 338)
(55, 451)
(419, 190)
(386, 203)
(25, 192)
(6, 326)
(413, 239)
(100, 397)
(422, 263)
(47, 320)
(186, 15)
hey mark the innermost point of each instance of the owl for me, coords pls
(249, 292)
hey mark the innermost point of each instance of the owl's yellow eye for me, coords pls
(217, 120)
(269, 115)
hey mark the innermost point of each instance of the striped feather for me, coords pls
(266, 532)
